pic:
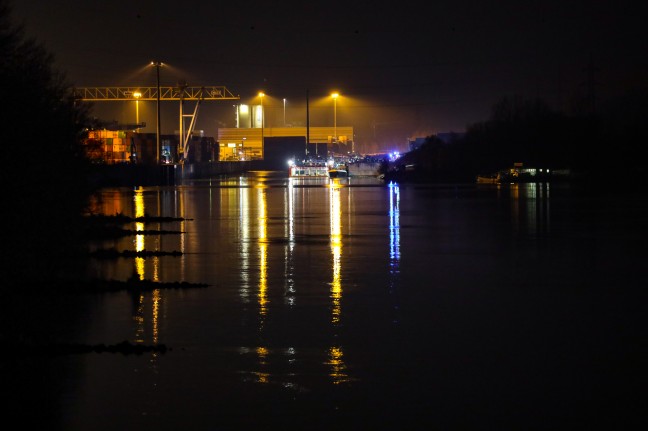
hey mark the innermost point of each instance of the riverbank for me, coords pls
(127, 174)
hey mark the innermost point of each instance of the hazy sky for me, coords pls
(402, 69)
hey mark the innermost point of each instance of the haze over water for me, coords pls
(355, 304)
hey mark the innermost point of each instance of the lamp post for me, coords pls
(262, 95)
(157, 65)
(335, 96)
(284, 101)
(137, 95)
(307, 123)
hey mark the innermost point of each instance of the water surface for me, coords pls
(355, 304)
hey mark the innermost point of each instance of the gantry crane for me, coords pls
(180, 93)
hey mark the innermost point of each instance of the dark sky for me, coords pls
(403, 68)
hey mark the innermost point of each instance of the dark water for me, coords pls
(357, 305)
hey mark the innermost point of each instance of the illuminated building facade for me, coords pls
(244, 144)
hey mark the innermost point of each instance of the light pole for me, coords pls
(284, 111)
(157, 65)
(137, 95)
(307, 124)
(262, 95)
(335, 96)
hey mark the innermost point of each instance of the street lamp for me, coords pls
(157, 65)
(262, 95)
(284, 112)
(137, 95)
(335, 96)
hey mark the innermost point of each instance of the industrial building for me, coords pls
(272, 143)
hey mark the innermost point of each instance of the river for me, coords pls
(354, 304)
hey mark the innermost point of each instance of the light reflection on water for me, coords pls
(321, 286)
(336, 249)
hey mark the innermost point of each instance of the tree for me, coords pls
(521, 130)
(45, 171)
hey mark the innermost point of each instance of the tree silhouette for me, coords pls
(44, 168)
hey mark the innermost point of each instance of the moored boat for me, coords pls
(488, 179)
(338, 173)
(520, 174)
(308, 169)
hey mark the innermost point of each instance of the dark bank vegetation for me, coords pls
(95, 232)
(21, 348)
(45, 171)
(107, 232)
(101, 226)
(121, 218)
(111, 253)
(96, 285)
(48, 185)
(600, 144)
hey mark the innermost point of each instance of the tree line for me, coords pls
(594, 145)
(45, 171)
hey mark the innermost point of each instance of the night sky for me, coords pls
(403, 69)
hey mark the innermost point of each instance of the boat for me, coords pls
(520, 174)
(488, 179)
(308, 169)
(338, 168)
(338, 172)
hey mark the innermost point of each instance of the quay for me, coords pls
(168, 174)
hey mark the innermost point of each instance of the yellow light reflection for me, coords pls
(336, 249)
(262, 354)
(338, 367)
(156, 268)
(139, 319)
(335, 354)
(183, 246)
(157, 298)
(244, 236)
(263, 252)
(140, 245)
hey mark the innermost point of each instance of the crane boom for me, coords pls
(99, 94)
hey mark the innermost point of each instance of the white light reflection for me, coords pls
(394, 246)
(244, 237)
(289, 272)
(530, 207)
(537, 207)
(394, 226)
